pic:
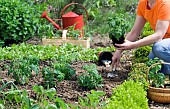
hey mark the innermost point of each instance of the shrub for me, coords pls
(141, 54)
(138, 74)
(147, 30)
(129, 95)
(19, 21)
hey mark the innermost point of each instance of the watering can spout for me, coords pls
(44, 15)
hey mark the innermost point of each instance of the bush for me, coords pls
(138, 74)
(129, 95)
(147, 30)
(141, 54)
(19, 21)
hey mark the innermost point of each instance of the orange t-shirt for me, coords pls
(160, 11)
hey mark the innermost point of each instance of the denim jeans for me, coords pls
(162, 51)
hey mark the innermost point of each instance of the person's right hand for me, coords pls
(116, 59)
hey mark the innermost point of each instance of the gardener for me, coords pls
(157, 13)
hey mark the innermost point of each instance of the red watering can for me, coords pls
(69, 19)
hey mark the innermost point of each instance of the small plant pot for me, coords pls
(105, 56)
(121, 40)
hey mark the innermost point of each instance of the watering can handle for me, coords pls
(62, 12)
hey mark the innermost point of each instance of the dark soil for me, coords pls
(69, 91)
(118, 41)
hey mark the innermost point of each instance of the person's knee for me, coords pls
(151, 55)
(158, 48)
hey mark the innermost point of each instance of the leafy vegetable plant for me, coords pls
(155, 77)
(63, 53)
(93, 100)
(64, 68)
(73, 33)
(128, 95)
(147, 30)
(23, 69)
(91, 78)
(51, 76)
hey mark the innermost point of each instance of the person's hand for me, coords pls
(127, 45)
(116, 59)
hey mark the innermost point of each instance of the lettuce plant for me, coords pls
(129, 95)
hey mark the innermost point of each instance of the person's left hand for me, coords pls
(127, 45)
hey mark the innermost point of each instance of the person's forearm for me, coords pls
(148, 40)
(160, 31)
(132, 36)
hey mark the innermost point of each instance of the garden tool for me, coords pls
(112, 74)
(69, 19)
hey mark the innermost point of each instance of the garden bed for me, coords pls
(69, 90)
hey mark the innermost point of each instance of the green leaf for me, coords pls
(52, 106)
(35, 106)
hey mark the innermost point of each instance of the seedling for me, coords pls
(155, 77)
(118, 27)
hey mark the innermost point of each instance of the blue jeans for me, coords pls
(162, 51)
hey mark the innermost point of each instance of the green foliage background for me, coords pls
(18, 28)
(141, 54)
(19, 21)
(31, 25)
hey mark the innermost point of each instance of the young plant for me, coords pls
(73, 33)
(42, 94)
(118, 26)
(128, 95)
(65, 69)
(90, 79)
(93, 100)
(51, 76)
(155, 77)
(23, 69)
(46, 98)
